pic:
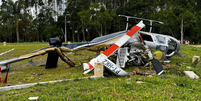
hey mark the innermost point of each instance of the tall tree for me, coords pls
(46, 21)
(96, 16)
(71, 11)
(15, 11)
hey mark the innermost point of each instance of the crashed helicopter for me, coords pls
(129, 46)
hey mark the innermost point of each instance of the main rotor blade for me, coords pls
(157, 66)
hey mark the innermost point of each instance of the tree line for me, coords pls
(87, 19)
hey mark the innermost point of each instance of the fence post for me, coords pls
(195, 58)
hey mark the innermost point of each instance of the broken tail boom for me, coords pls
(53, 54)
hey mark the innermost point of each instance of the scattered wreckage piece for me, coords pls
(191, 74)
(138, 73)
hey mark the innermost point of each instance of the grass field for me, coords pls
(174, 85)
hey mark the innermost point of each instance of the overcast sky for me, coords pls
(1, 1)
(32, 10)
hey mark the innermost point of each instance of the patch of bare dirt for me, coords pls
(166, 66)
(195, 45)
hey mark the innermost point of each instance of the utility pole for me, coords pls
(56, 10)
(65, 31)
(36, 7)
(182, 32)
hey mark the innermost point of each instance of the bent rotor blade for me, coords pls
(63, 57)
(157, 66)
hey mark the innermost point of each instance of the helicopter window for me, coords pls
(171, 46)
(147, 37)
(160, 39)
(172, 42)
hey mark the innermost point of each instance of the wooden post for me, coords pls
(98, 70)
(195, 58)
(4, 43)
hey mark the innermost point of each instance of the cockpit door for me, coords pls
(161, 43)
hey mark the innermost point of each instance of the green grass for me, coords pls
(174, 85)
